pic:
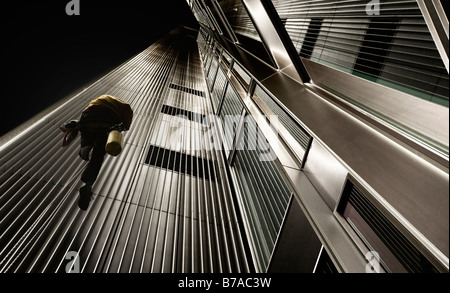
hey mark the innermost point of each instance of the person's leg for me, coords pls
(87, 141)
(91, 172)
(95, 163)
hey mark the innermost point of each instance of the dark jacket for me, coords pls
(106, 111)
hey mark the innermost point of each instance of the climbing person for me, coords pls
(104, 116)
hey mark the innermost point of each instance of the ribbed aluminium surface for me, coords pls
(144, 217)
(388, 43)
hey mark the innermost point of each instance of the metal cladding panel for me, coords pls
(143, 218)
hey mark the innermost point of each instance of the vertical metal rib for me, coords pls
(144, 218)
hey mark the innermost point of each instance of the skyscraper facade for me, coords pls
(282, 136)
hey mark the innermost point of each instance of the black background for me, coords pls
(47, 54)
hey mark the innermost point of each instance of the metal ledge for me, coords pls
(415, 188)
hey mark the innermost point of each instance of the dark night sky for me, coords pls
(47, 54)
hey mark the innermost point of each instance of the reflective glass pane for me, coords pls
(265, 194)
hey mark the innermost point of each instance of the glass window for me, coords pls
(263, 189)
(212, 70)
(215, 16)
(219, 87)
(230, 115)
(242, 76)
(226, 58)
(208, 58)
(242, 25)
(395, 252)
(300, 135)
(392, 47)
